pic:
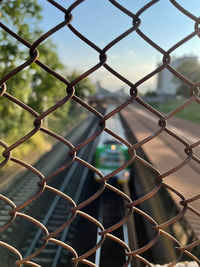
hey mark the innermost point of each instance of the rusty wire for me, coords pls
(159, 229)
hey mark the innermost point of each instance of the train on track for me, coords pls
(110, 153)
(109, 156)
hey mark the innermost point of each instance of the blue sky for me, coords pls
(101, 22)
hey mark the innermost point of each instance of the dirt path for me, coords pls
(165, 152)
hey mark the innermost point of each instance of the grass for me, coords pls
(31, 150)
(41, 142)
(191, 113)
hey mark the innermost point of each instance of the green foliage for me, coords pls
(191, 70)
(83, 88)
(190, 113)
(33, 85)
(46, 87)
(150, 94)
(20, 14)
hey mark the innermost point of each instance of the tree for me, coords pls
(150, 93)
(44, 85)
(83, 88)
(191, 70)
(31, 85)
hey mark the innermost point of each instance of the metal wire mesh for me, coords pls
(159, 229)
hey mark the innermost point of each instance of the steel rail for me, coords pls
(57, 197)
(97, 259)
(129, 229)
(98, 252)
(126, 239)
(76, 198)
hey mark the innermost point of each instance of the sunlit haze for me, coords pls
(101, 22)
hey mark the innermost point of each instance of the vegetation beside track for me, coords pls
(33, 86)
(39, 145)
(190, 113)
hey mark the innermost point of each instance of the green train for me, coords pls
(109, 156)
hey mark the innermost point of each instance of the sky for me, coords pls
(101, 22)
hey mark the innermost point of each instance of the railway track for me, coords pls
(59, 211)
(110, 212)
(26, 186)
(26, 182)
(112, 209)
(109, 209)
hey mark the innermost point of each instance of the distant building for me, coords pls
(165, 83)
(102, 93)
(103, 97)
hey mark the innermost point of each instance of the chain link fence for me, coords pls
(131, 206)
